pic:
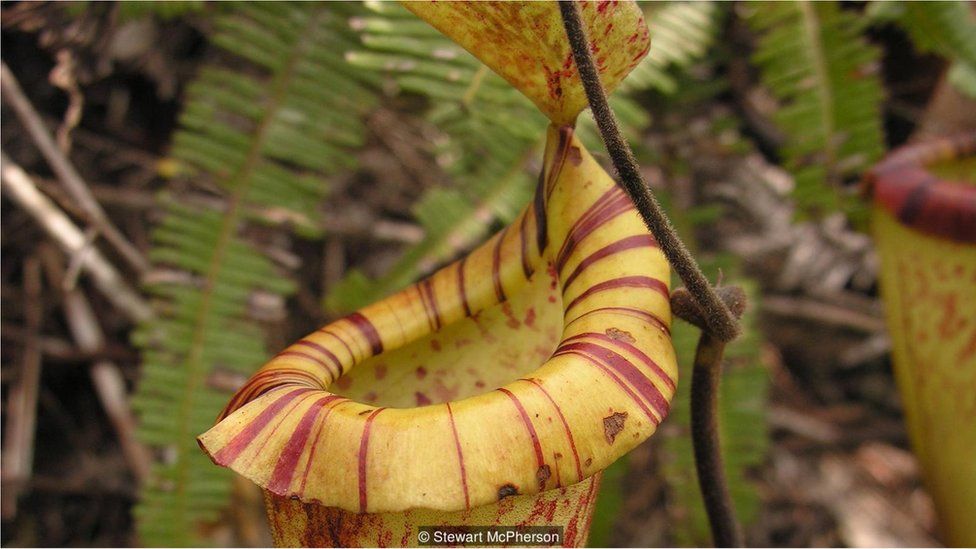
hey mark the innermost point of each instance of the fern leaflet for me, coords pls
(260, 131)
(491, 129)
(682, 33)
(947, 28)
(817, 64)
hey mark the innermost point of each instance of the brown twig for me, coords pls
(66, 172)
(722, 324)
(823, 313)
(56, 349)
(18, 186)
(18, 450)
(107, 379)
(63, 76)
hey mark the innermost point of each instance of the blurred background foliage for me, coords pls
(281, 115)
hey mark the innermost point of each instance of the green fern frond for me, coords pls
(129, 10)
(491, 129)
(681, 33)
(170, 9)
(963, 77)
(261, 131)
(816, 62)
(947, 28)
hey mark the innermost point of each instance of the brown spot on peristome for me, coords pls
(507, 490)
(613, 424)
(620, 335)
(588, 462)
(542, 475)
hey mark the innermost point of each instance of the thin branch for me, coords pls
(699, 303)
(705, 378)
(18, 186)
(14, 96)
(721, 322)
(21, 411)
(106, 377)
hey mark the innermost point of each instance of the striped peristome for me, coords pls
(528, 366)
(909, 191)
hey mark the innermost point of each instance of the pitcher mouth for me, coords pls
(470, 356)
(907, 185)
(576, 274)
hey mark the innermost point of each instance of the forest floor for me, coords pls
(838, 470)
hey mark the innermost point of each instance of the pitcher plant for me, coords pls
(495, 391)
(925, 227)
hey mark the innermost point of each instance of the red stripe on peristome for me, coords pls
(611, 204)
(363, 449)
(594, 487)
(283, 416)
(539, 209)
(433, 311)
(559, 159)
(630, 311)
(629, 243)
(284, 470)
(914, 201)
(583, 504)
(496, 266)
(323, 350)
(366, 328)
(266, 380)
(315, 443)
(569, 432)
(314, 359)
(460, 455)
(623, 282)
(461, 289)
(622, 366)
(423, 301)
(230, 452)
(528, 426)
(903, 185)
(620, 383)
(651, 365)
(524, 246)
(919, 200)
(352, 355)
